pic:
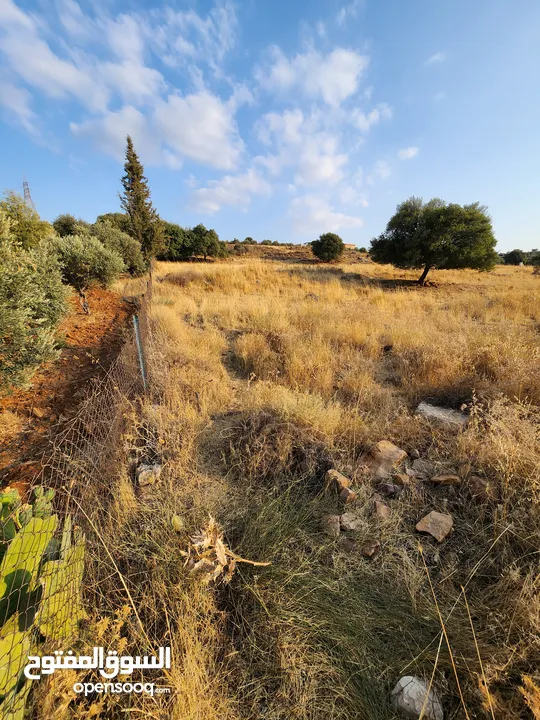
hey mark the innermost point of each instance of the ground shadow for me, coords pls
(323, 274)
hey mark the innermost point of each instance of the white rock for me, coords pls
(148, 474)
(349, 521)
(408, 699)
(443, 415)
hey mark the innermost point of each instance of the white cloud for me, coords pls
(348, 12)
(132, 81)
(125, 39)
(350, 197)
(200, 126)
(408, 153)
(232, 190)
(381, 171)
(285, 127)
(364, 121)
(208, 39)
(17, 103)
(333, 77)
(10, 14)
(436, 59)
(312, 215)
(320, 161)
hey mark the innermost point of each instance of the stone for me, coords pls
(382, 458)
(382, 511)
(446, 480)
(348, 544)
(389, 489)
(423, 468)
(401, 479)
(371, 549)
(349, 521)
(148, 474)
(437, 524)
(411, 696)
(445, 416)
(482, 490)
(337, 479)
(39, 413)
(330, 525)
(347, 496)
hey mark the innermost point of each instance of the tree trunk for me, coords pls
(422, 278)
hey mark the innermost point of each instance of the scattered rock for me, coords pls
(148, 474)
(39, 413)
(330, 525)
(423, 469)
(337, 479)
(409, 696)
(401, 479)
(347, 496)
(415, 454)
(382, 510)
(446, 480)
(437, 524)
(389, 489)
(348, 521)
(382, 458)
(482, 490)
(445, 416)
(371, 549)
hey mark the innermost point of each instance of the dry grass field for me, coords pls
(269, 373)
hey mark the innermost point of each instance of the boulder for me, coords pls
(446, 480)
(436, 524)
(349, 521)
(382, 458)
(382, 511)
(389, 489)
(401, 479)
(148, 474)
(445, 416)
(411, 696)
(336, 479)
(330, 526)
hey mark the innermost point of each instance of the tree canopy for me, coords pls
(437, 234)
(143, 222)
(26, 228)
(328, 247)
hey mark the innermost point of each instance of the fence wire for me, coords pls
(50, 532)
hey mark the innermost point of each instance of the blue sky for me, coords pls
(272, 118)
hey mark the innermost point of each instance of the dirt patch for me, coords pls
(35, 413)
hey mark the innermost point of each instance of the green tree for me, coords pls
(85, 262)
(437, 235)
(118, 220)
(328, 247)
(250, 241)
(177, 243)
(143, 221)
(33, 299)
(27, 228)
(69, 225)
(122, 244)
(514, 257)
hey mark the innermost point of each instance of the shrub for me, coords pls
(514, 257)
(32, 301)
(250, 241)
(27, 228)
(85, 262)
(123, 244)
(328, 247)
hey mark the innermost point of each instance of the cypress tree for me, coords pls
(143, 222)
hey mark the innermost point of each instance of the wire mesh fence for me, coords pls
(51, 535)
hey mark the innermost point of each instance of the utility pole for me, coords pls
(27, 197)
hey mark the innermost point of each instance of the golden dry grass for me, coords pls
(265, 374)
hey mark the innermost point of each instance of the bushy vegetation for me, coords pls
(517, 257)
(328, 247)
(67, 224)
(437, 234)
(26, 227)
(85, 262)
(33, 299)
(122, 244)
